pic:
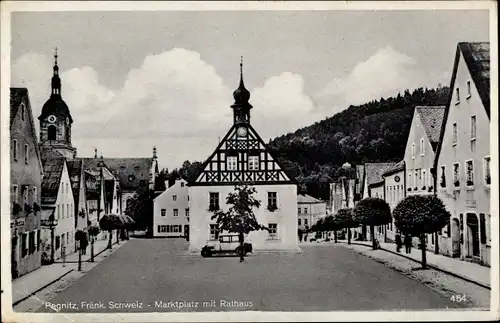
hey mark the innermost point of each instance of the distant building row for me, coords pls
(447, 154)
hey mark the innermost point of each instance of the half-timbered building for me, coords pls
(243, 158)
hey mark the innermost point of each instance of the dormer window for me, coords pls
(413, 150)
(455, 134)
(15, 149)
(468, 90)
(457, 95)
(422, 147)
(473, 128)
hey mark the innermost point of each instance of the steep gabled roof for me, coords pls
(91, 186)
(130, 171)
(477, 58)
(307, 199)
(432, 121)
(75, 176)
(16, 97)
(53, 166)
(374, 171)
(398, 167)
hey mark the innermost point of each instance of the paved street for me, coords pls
(155, 272)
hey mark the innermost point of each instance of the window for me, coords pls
(273, 231)
(63, 238)
(253, 162)
(176, 212)
(299, 210)
(455, 133)
(469, 166)
(32, 245)
(22, 111)
(468, 90)
(52, 132)
(35, 194)
(214, 232)
(15, 149)
(457, 95)
(482, 227)
(163, 212)
(456, 175)
(473, 128)
(174, 197)
(299, 222)
(214, 201)
(448, 229)
(272, 200)
(25, 189)
(413, 150)
(232, 162)
(182, 184)
(186, 212)
(162, 229)
(38, 239)
(415, 179)
(422, 147)
(305, 221)
(424, 179)
(305, 210)
(26, 154)
(409, 182)
(14, 193)
(58, 215)
(58, 242)
(62, 211)
(443, 176)
(487, 174)
(24, 246)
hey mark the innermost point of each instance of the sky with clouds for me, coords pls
(134, 80)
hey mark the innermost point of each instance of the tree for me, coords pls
(419, 215)
(372, 211)
(111, 222)
(332, 224)
(140, 209)
(93, 232)
(345, 220)
(239, 218)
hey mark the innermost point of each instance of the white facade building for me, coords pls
(171, 211)
(242, 158)
(395, 192)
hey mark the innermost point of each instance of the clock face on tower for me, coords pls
(242, 131)
(52, 118)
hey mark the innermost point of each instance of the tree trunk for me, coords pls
(92, 249)
(79, 258)
(424, 251)
(117, 236)
(335, 235)
(241, 237)
(372, 233)
(110, 244)
(436, 243)
(348, 235)
(385, 234)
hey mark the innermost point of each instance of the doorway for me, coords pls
(455, 238)
(472, 235)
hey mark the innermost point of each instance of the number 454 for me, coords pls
(458, 298)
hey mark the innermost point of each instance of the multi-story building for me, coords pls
(309, 211)
(171, 211)
(26, 177)
(394, 192)
(463, 156)
(242, 158)
(57, 203)
(419, 156)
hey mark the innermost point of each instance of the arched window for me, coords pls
(52, 131)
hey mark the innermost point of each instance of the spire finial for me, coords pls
(154, 152)
(55, 55)
(241, 70)
(95, 152)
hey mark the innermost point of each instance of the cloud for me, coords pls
(385, 73)
(173, 100)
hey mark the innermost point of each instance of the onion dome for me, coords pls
(241, 94)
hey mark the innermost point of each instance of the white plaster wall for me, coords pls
(165, 201)
(285, 216)
(66, 219)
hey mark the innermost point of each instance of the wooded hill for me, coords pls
(372, 132)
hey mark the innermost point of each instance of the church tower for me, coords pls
(55, 119)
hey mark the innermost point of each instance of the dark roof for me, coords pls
(16, 97)
(130, 171)
(374, 171)
(307, 199)
(91, 186)
(360, 177)
(398, 167)
(55, 105)
(53, 166)
(376, 184)
(75, 176)
(477, 58)
(432, 120)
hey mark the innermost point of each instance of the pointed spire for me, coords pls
(154, 153)
(56, 81)
(241, 94)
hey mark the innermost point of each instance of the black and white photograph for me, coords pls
(229, 161)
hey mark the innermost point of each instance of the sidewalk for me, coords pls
(463, 269)
(35, 281)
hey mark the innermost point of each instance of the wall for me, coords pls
(25, 174)
(315, 211)
(394, 193)
(463, 200)
(165, 201)
(66, 222)
(285, 216)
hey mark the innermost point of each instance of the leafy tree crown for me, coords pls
(372, 211)
(418, 214)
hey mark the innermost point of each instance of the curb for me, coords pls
(88, 260)
(467, 279)
(40, 289)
